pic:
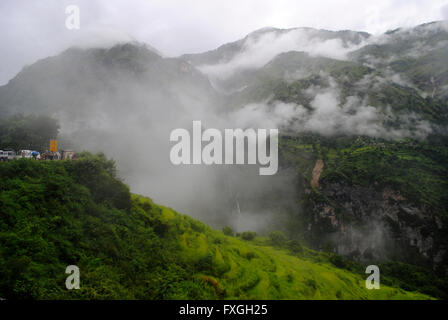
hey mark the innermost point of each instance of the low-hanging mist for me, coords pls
(125, 100)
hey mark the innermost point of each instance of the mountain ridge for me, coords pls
(364, 111)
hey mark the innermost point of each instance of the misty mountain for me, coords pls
(230, 65)
(123, 100)
(228, 51)
(360, 105)
(76, 78)
(296, 65)
(298, 79)
(418, 54)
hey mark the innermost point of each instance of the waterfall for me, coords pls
(238, 214)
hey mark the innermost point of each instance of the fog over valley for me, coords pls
(222, 150)
(124, 99)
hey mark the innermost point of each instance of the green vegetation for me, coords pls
(248, 235)
(402, 275)
(277, 238)
(397, 274)
(57, 213)
(228, 231)
(417, 169)
(418, 55)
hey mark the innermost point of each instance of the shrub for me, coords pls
(248, 235)
(338, 261)
(205, 263)
(228, 231)
(277, 238)
(250, 255)
(295, 246)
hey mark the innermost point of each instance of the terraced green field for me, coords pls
(238, 269)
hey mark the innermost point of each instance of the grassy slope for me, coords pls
(256, 270)
(53, 214)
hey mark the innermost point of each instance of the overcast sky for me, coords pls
(30, 30)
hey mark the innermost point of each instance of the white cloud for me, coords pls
(30, 30)
(329, 117)
(445, 12)
(259, 50)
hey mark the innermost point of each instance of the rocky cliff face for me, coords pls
(368, 223)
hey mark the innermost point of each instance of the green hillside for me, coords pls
(375, 162)
(53, 214)
(419, 54)
(365, 182)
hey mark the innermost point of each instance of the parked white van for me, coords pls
(6, 155)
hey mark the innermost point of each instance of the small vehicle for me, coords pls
(11, 155)
(7, 155)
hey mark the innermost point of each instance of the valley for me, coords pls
(361, 177)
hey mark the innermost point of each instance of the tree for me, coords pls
(277, 238)
(228, 231)
(248, 235)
